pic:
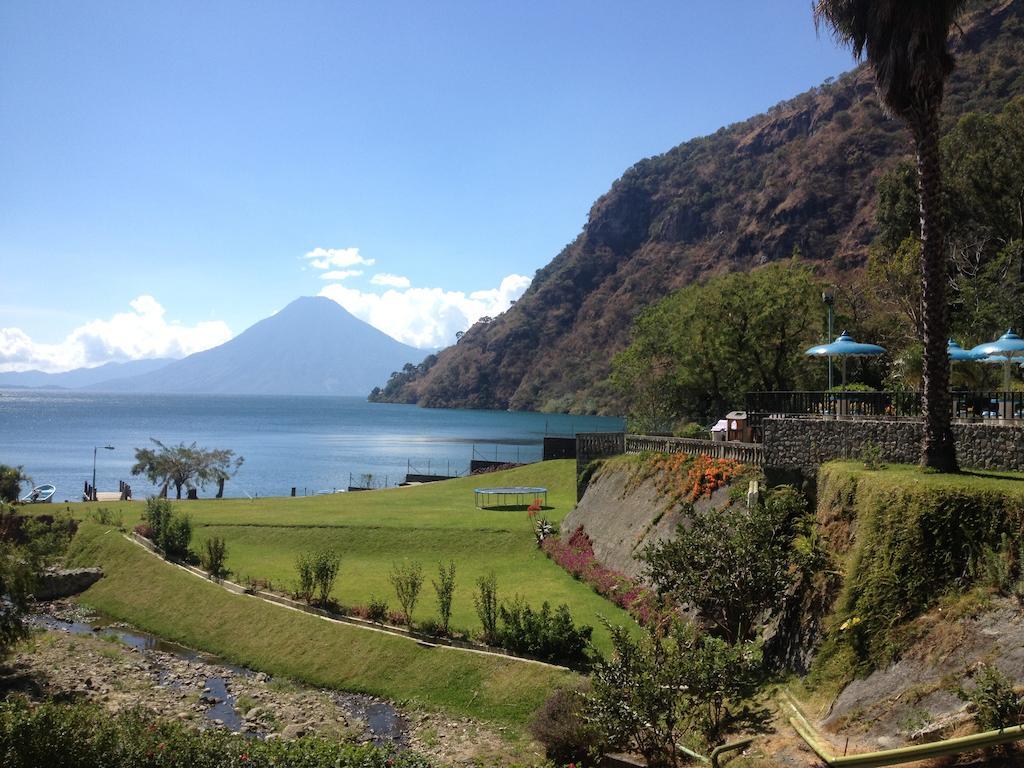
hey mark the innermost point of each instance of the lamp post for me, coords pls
(829, 299)
(94, 449)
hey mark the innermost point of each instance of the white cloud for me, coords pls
(426, 317)
(341, 274)
(394, 281)
(141, 333)
(328, 258)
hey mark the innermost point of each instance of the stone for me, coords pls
(54, 583)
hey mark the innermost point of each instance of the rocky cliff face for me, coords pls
(801, 177)
(623, 517)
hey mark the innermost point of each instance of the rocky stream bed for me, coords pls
(76, 654)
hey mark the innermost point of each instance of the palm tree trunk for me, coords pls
(938, 451)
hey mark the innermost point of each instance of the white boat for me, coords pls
(41, 494)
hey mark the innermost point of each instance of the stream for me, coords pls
(377, 722)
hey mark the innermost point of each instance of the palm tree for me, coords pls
(906, 44)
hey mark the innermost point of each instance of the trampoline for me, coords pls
(513, 496)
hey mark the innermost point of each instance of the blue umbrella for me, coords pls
(1003, 350)
(844, 346)
(958, 354)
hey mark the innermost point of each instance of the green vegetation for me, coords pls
(213, 558)
(983, 164)
(733, 564)
(185, 466)
(169, 602)
(11, 479)
(699, 350)
(27, 545)
(904, 539)
(407, 579)
(668, 686)
(996, 703)
(425, 523)
(84, 736)
(444, 588)
(170, 530)
(543, 634)
(15, 586)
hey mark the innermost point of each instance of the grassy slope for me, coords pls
(912, 479)
(901, 540)
(166, 600)
(429, 523)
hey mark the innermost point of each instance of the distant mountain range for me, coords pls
(81, 377)
(311, 347)
(800, 177)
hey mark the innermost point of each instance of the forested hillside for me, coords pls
(801, 178)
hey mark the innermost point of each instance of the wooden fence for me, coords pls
(745, 453)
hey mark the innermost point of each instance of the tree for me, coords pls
(407, 579)
(185, 466)
(906, 44)
(11, 479)
(698, 351)
(731, 564)
(664, 684)
(445, 589)
(16, 579)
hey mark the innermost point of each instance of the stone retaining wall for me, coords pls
(806, 443)
(53, 584)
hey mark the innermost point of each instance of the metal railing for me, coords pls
(994, 405)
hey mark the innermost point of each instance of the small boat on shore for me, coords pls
(41, 494)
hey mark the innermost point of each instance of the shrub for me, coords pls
(656, 689)
(432, 627)
(11, 479)
(693, 431)
(169, 531)
(871, 455)
(542, 529)
(445, 589)
(546, 635)
(177, 537)
(576, 555)
(407, 579)
(16, 578)
(996, 703)
(486, 603)
(84, 735)
(45, 538)
(326, 564)
(214, 556)
(732, 564)
(156, 515)
(561, 727)
(107, 516)
(377, 611)
(305, 567)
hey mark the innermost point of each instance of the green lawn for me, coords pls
(447, 505)
(163, 599)
(911, 477)
(428, 523)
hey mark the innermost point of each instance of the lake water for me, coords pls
(312, 443)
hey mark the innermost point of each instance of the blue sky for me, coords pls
(195, 152)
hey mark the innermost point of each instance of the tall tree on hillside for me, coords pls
(906, 44)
